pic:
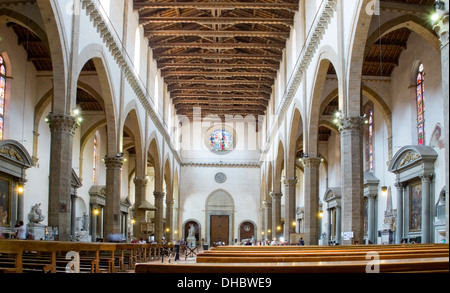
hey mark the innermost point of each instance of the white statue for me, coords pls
(35, 216)
(191, 230)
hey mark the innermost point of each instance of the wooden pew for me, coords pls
(320, 247)
(49, 256)
(386, 266)
(348, 253)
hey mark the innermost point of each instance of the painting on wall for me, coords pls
(5, 188)
(415, 207)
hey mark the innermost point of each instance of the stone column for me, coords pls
(73, 214)
(338, 224)
(94, 223)
(289, 206)
(20, 202)
(371, 218)
(311, 221)
(276, 213)
(169, 219)
(426, 179)
(329, 219)
(399, 218)
(140, 186)
(440, 26)
(62, 128)
(113, 198)
(159, 204)
(352, 175)
(268, 220)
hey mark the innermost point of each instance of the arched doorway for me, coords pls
(247, 231)
(219, 218)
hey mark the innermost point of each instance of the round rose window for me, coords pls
(221, 141)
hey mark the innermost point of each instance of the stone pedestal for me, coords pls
(387, 236)
(37, 230)
(191, 241)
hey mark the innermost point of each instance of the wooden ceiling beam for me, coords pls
(199, 103)
(190, 112)
(146, 20)
(213, 56)
(163, 65)
(143, 5)
(212, 33)
(223, 107)
(169, 81)
(217, 45)
(221, 96)
(219, 74)
(191, 90)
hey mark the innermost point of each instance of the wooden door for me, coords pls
(247, 230)
(220, 229)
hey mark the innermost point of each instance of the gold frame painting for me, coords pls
(5, 202)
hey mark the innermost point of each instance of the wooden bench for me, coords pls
(50, 256)
(385, 266)
(343, 254)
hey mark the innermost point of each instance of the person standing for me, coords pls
(21, 231)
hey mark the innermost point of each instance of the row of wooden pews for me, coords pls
(19, 256)
(313, 259)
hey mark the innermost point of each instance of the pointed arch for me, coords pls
(327, 57)
(154, 158)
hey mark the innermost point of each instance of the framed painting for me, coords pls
(415, 207)
(5, 202)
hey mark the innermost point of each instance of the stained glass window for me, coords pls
(94, 163)
(371, 139)
(420, 102)
(2, 95)
(221, 141)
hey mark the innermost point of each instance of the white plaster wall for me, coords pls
(197, 183)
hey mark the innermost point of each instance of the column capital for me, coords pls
(426, 176)
(290, 182)
(113, 162)
(159, 194)
(62, 123)
(351, 123)
(311, 163)
(140, 182)
(276, 194)
(400, 185)
(440, 26)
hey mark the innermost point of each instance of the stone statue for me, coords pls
(35, 216)
(191, 230)
(191, 239)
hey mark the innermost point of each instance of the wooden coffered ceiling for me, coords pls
(222, 56)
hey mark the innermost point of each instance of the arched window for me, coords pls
(369, 137)
(94, 163)
(420, 102)
(2, 95)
